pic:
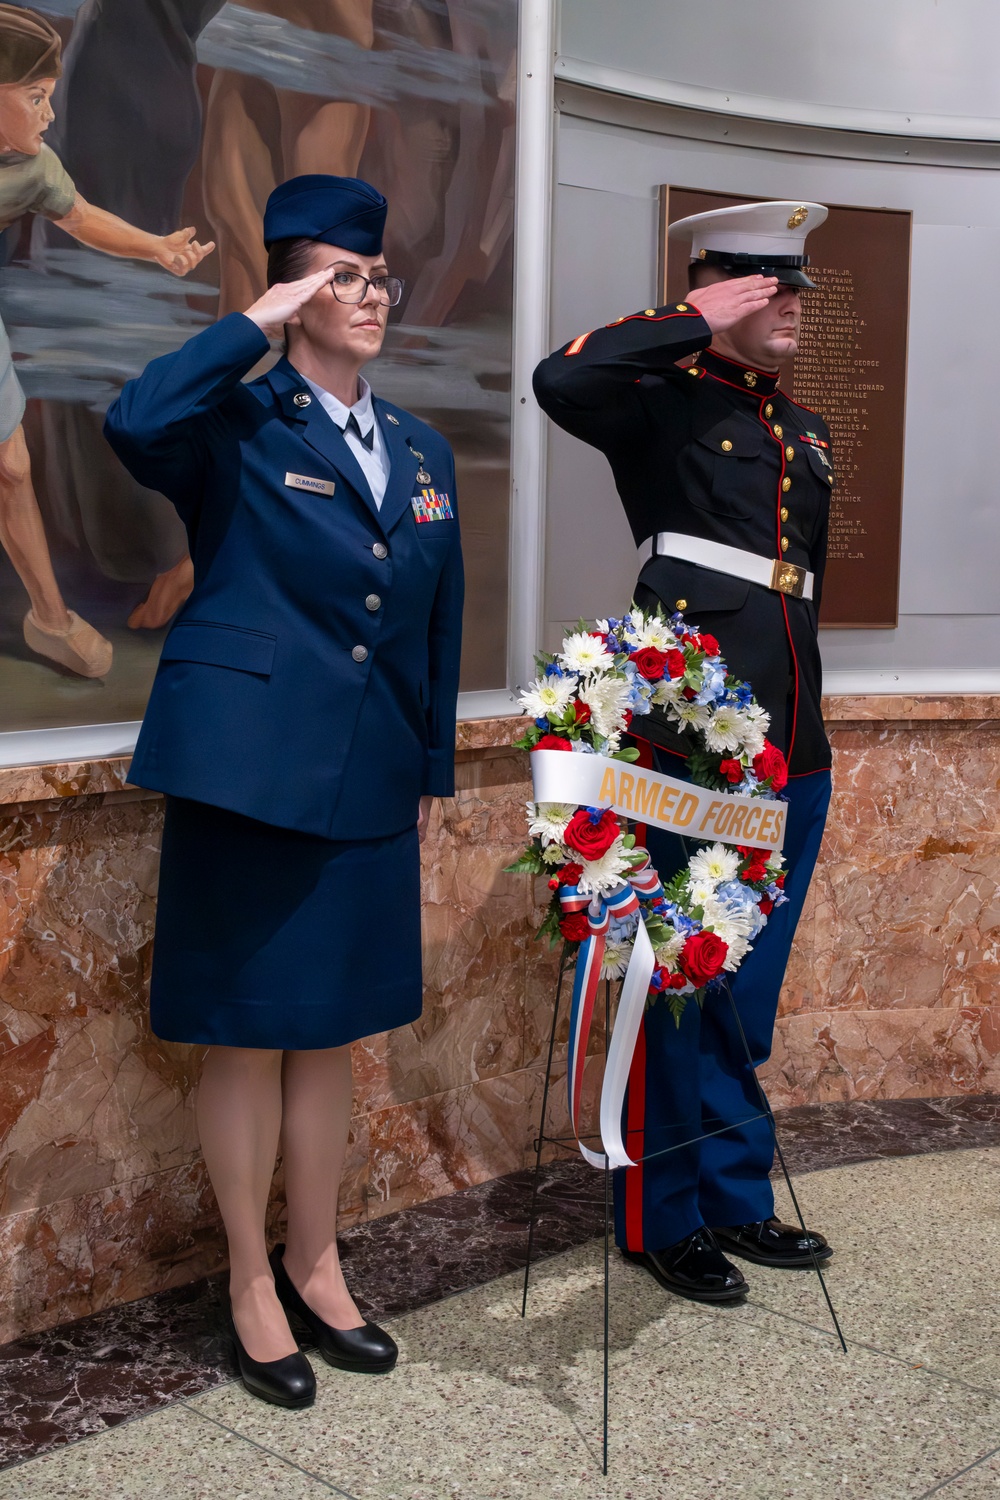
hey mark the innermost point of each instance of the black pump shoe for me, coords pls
(694, 1268)
(288, 1381)
(367, 1349)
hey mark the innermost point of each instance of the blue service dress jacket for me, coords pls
(310, 680)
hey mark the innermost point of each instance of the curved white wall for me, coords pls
(916, 66)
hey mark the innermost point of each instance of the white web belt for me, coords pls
(784, 577)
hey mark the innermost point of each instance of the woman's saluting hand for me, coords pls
(280, 303)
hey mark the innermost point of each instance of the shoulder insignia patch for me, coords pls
(578, 344)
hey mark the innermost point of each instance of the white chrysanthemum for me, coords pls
(670, 951)
(729, 923)
(554, 854)
(716, 864)
(701, 891)
(548, 820)
(693, 713)
(739, 947)
(667, 691)
(583, 652)
(607, 698)
(756, 723)
(605, 874)
(548, 697)
(616, 957)
(727, 730)
(649, 630)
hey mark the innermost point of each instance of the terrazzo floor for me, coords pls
(756, 1402)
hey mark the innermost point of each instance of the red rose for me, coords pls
(676, 981)
(574, 926)
(581, 712)
(766, 905)
(709, 645)
(770, 765)
(590, 838)
(570, 874)
(650, 663)
(676, 664)
(553, 884)
(702, 957)
(732, 770)
(553, 742)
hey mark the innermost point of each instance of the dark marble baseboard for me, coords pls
(86, 1376)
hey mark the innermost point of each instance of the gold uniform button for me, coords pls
(789, 454)
(650, 312)
(778, 431)
(786, 484)
(682, 307)
(829, 479)
(693, 370)
(769, 410)
(784, 544)
(784, 512)
(681, 604)
(727, 446)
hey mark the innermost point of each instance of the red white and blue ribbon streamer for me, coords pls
(623, 902)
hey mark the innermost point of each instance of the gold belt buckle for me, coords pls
(789, 578)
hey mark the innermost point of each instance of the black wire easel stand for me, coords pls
(569, 1144)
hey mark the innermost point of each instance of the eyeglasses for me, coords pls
(351, 286)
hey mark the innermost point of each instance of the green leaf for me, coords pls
(528, 863)
(631, 754)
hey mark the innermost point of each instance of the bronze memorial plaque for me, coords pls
(851, 369)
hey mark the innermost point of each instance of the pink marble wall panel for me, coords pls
(103, 1195)
(892, 988)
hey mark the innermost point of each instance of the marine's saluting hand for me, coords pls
(280, 303)
(724, 303)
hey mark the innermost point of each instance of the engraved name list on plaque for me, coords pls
(851, 368)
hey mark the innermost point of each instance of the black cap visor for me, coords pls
(787, 268)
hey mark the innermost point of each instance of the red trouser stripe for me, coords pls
(635, 1143)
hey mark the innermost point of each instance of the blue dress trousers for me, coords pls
(304, 701)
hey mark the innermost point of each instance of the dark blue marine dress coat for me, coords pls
(304, 701)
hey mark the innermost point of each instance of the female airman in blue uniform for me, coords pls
(301, 721)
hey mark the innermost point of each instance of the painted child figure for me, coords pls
(33, 180)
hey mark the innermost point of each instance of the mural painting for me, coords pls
(139, 140)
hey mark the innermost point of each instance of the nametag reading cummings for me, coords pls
(303, 482)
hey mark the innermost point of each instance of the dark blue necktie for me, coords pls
(353, 425)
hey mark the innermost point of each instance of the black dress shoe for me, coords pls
(288, 1381)
(368, 1349)
(695, 1268)
(771, 1243)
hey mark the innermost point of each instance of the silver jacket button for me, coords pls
(360, 653)
(373, 602)
(380, 550)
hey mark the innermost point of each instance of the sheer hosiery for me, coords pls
(316, 1115)
(239, 1121)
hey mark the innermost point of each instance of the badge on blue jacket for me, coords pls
(432, 505)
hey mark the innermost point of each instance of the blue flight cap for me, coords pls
(334, 210)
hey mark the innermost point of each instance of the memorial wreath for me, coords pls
(668, 943)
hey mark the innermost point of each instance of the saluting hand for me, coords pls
(280, 303)
(724, 303)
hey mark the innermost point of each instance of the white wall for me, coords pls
(857, 63)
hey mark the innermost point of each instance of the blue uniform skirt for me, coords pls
(270, 938)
